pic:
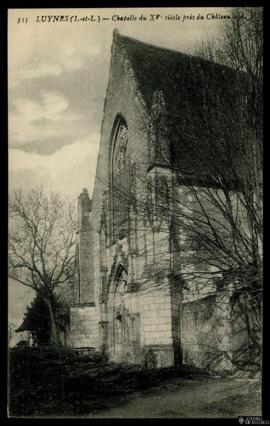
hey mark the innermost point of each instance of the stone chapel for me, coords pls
(164, 114)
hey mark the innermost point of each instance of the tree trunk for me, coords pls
(55, 339)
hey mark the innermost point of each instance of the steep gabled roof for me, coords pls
(202, 101)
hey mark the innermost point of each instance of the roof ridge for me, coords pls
(117, 36)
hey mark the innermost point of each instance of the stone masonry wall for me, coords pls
(121, 98)
(87, 290)
(84, 330)
(156, 319)
(85, 246)
(156, 325)
(206, 332)
(159, 311)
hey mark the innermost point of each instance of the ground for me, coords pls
(45, 384)
(223, 398)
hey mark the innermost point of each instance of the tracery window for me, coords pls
(120, 180)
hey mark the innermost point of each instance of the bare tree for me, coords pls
(240, 46)
(41, 245)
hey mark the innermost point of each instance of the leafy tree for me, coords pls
(37, 320)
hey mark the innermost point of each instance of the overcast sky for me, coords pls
(58, 74)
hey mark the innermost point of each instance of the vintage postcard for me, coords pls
(135, 213)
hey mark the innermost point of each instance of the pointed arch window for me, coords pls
(120, 179)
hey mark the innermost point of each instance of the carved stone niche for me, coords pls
(158, 131)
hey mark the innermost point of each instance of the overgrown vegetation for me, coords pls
(37, 320)
(70, 383)
(65, 382)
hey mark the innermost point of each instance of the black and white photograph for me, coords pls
(135, 213)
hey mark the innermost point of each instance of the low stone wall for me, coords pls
(246, 329)
(206, 333)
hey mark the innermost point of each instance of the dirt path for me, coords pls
(224, 398)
